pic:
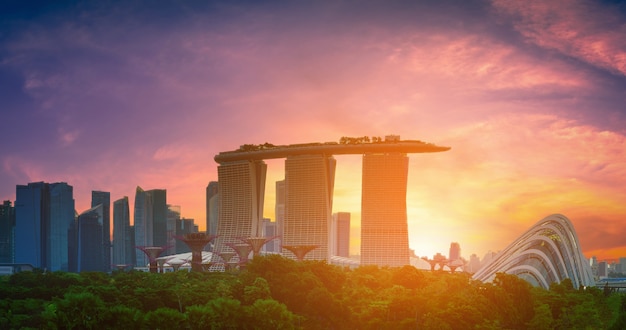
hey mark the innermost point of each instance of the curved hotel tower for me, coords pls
(547, 253)
(308, 196)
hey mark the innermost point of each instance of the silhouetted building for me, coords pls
(123, 238)
(241, 190)
(212, 206)
(455, 251)
(150, 221)
(474, 264)
(384, 230)
(7, 222)
(340, 234)
(173, 215)
(603, 269)
(309, 183)
(279, 213)
(104, 198)
(183, 227)
(269, 230)
(43, 215)
(88, 246)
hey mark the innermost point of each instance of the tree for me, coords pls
(269, 314)
(165, 318)
(260, 289)
(79, 311)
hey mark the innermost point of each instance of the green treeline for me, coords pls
(278, 293)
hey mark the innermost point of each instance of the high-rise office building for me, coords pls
(455, 251)
(384, 232)
(159, 216)
(279, 212)
(32, 215)
(242, 191)
(43, 215)
(183, 227)
(340, 234)
(269, 230)
(61, 217)
(123, 246)
(104, 198)
(309, 183)
(173, 216)
(150, 221)
(142, 225)
(212, 205)
(7, 222)
(89, 246)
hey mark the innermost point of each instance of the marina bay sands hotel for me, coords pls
(308, 193)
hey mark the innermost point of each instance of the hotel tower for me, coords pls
(384, 233)
(309, 182)
(240, 212)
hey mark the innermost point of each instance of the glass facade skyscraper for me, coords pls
(212, 206)
(43, 215)
(150, 221)
(89, 242)
(7, 221)
(61, 217)
(123, 246)
(104, 198)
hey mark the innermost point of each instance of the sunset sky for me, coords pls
(530, 96)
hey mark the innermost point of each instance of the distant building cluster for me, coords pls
(43, 230)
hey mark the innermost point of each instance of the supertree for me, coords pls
(256, 243)
(243, 251)
(196, 243)
(300, 251)
(153, 252)
(226, 256)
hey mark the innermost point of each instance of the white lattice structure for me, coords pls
(548, 252)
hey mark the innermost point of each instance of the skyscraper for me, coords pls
(184, 226)
(150, 221)
(31, 220)
(61, 217)
(89, 240)
(269, 230)
(43, 214)
(384, 232)
(242, 191)
(309, 183)
(159, 216)
(123, 246)
(7, 221)
(104, 198)
(212, 205)
(173, 216)
(279, 212)
(455, 251)
(340, 234)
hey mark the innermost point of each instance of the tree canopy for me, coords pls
(278, 293)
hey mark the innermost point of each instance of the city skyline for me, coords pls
(107, 97)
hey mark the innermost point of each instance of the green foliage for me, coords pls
(279, 293)
(165, 318)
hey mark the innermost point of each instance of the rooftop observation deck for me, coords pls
(347, 146)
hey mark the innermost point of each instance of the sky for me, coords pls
(530, 96)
